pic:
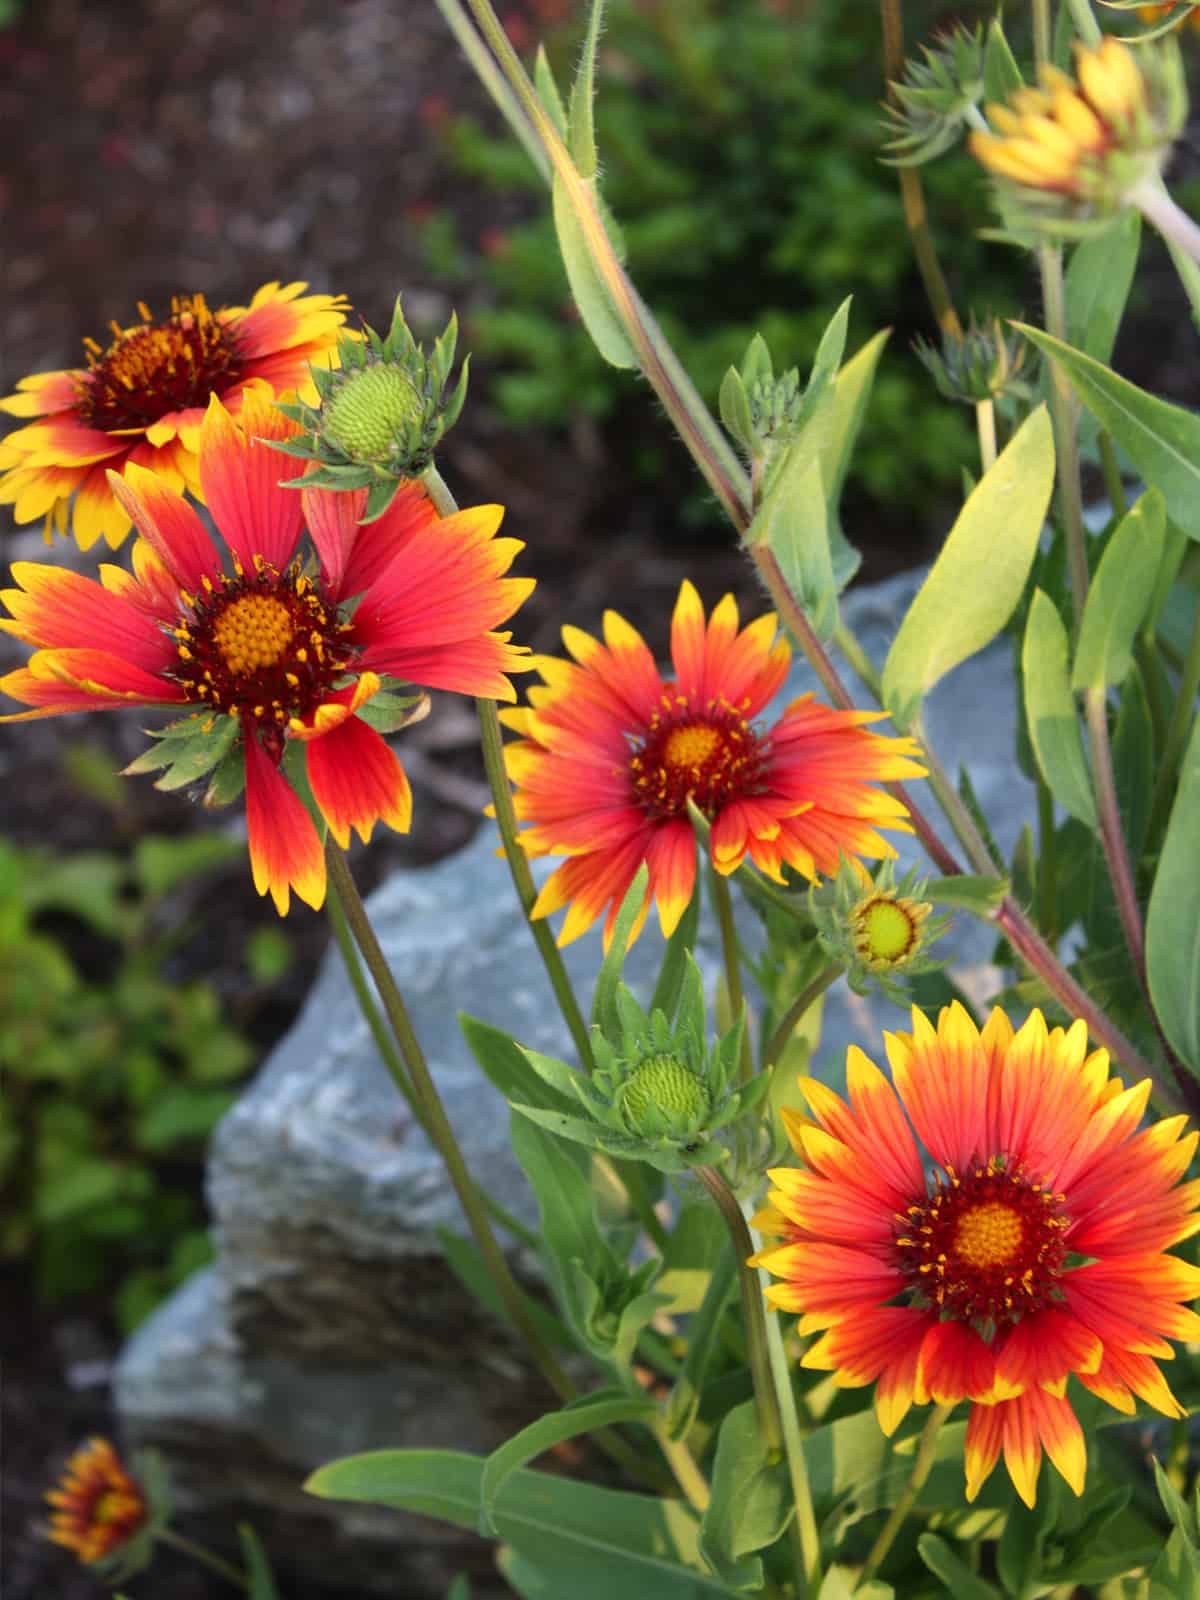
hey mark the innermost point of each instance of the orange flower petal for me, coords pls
(356, 781)
(285, 852)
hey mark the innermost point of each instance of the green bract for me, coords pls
(659, 1093)
(382, 412)
(931, 103)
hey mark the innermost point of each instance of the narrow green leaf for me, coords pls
(734, 405)
(547, 91)
(751, 1501)
(670, 978)
(591, 1541)
(508, 1067)
(1173, 920)
(1162, 440)
(1133, 761)
(587, 287)
(604, 1001)
(564, 1195)
(830, 350)
(684, 1399)
(792, 520)
(258, 1569)
(581, 130)
(582, 1416)
(1097, 284)
(960, 1581)
(466, 1263)
(851, 394)
(977, 580)
(1001, 74)
(977, 894)
(1120, 595)
(1050, 711)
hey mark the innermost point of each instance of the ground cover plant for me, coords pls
(869, 1333)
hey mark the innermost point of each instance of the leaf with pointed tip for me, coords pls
(581, 131)
(1120, 595)
(588, 289)
(1173, 918)
(1050, 711)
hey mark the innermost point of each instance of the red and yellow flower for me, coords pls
(1178, 15)
(143, 399)
(98, 1506)
(256, 638)
(1032, 1249)
(611, 752)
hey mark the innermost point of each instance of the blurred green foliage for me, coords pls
(113, 1072)
(740, 142)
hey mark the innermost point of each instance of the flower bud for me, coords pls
(664, 1098)
(980, 364)
(932, 101)
(879, 930)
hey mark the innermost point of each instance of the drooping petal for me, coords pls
(285, 852)
(877, 1344)
(169, 525)
(1042, 1350)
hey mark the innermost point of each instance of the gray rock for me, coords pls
(332, 1322)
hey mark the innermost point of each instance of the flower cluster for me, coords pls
(1033, 1249)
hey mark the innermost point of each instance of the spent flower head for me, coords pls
(382, 413)
(880, 930)
(1068, 154)
(932, 102)
(661, 1091)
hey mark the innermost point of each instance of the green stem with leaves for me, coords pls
(768, 1399)
(922, 1466)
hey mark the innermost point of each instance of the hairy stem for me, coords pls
(723, 902)
(798, 1009)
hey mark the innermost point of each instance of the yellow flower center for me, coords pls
(708, 753)
(690, 747)
(988, 1236)
(987, 1247)
(160, 367)
(266, 646)
(253, 632)
(886, 930)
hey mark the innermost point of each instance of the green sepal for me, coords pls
(228, 780)
(379, 498)
(187, 751)
(388, 712)
(979, 895)
(1001, 74)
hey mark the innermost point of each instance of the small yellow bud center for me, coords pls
(988, 1235)
(664, 1097)
(886, 930)
(253, 632)
(690, 746)
(369, 413)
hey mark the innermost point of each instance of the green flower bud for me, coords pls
(981, 364)
(372, 410)
(934, 99)
(663, 1099)
(879, 930)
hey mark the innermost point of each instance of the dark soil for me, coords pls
(150, 147)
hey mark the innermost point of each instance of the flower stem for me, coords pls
(793, 1444)
(1085, 22)
(1064, 414)
(683, 1464)
(1151, 198)
(206, 1558)
(390, 1057)
(434, 1120)
(723, 902)
(1112, 835)
(506, 821)
(912, 194)
(767, 1397)
(922, 1467)
(985, 424)
(799, 1007)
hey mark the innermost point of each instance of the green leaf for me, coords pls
(584, 1415)
(851, 393)
(587, 287)
(1173, 918)
(581, 131)
(733, 403)
(547, 90)
(564, 1197)
(1120, 594)
(1097, 284)
(977, 580)
(960, 1581)
(1133, 762)
(587, 1541)
(183, 1113)
(604, 1001)
(258, 1570)
(1050, 711)
(977, 894)
(670, 978)
(1162, 440)
(161, 864)
(388, 712)
(793, 522)
(751, 1501)
(508, 1067)
(467, 1264)
(1001, 74)
(684, 1398)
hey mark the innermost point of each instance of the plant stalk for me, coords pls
(1156, 205)
(206, 1558)
(985, 425)
(767, 1397)
(1112, 835)
(796, 1012)
(723, 904)
(922, 1467)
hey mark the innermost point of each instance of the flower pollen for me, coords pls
(268, 646)
(160, 367)
(987, 1248)
(710, 754)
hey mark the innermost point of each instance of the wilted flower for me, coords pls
(612, 752)
(143, 398)
(1030, 1249)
